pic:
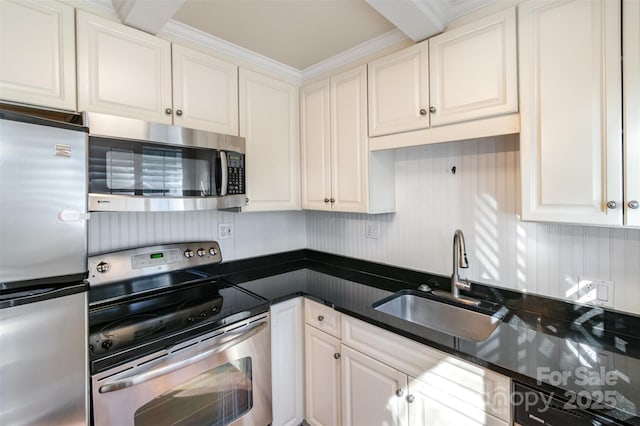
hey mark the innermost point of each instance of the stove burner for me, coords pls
(136, 325)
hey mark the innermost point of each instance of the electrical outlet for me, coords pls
(595, 291)
(372, 230)
(225, 231)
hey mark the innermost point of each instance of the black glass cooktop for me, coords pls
(127, 327)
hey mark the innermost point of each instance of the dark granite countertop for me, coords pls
(539, 339)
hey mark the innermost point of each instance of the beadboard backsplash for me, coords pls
(482, 198)
(255, 234)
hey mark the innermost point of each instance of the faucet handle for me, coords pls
(424, 287)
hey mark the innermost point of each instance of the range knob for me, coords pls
(201, 252)
(188, 253)
(103, 267)
(107, 344)
(213, 251)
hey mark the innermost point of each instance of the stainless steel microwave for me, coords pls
(136, 165)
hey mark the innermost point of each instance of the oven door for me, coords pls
(221, 378)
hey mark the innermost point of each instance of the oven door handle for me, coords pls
(238, 337)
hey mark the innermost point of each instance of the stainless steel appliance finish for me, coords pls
(43, 201)
(43, 360)
(171, 344)
(121, 265)
(222, 378)
(464, 323)
(229, 174)
(43, 299)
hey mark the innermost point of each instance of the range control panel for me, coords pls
(139, 262)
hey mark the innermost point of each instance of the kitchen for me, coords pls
(398, 195)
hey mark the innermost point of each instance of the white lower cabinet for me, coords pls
(434, 406)
(373, 393)
(388, 380)
(287, 366)
(323, 399)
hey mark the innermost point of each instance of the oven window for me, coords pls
(216, 397)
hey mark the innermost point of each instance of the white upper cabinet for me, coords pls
(338, 172)
(122, 71)
(570, 106)
(399, 91)
(37, 53)
(473, 70)
(458, 77)
(315, 146)
(127, 72)
(349, 142)
(269, 117)
(631, 84)
(205, 91)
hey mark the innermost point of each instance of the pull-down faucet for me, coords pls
(459, 260)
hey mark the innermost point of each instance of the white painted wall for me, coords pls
(482, 199)
(255, 233)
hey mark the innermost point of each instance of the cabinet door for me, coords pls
(287, 372)
(373, 393)
(570, 93)
(122, 71)
(315, 146)
(399, 91)
(322, 378)
(37, 53)
(473, 70)
(631, 84)
(433, 406)
(269, 121)
(205, 91)
(349, 142)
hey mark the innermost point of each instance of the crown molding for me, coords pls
(369, 47)
(207, 40)
(360, 51)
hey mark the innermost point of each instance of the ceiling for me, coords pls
(298, 33)
(301, 34)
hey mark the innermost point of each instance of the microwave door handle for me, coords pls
(238, 337)
(224, 173)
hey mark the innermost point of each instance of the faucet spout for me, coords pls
(459, 261)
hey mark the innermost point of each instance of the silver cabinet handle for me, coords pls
(336, 355)
(399, 392)
(235, 338)
(612, 205)
(633, 204)
(410, 398)
(320, 318)
(179, 112)
(423, 111)
(168, 111)
(432, 110)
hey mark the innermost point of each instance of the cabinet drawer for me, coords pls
(482, 388)
(322, 317)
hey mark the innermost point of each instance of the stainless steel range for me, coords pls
(171, 344)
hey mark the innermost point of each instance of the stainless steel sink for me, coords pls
(427, 311)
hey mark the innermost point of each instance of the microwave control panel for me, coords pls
(235, 173)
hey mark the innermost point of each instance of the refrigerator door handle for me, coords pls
(73, 216)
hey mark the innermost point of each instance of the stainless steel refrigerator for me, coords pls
(43, 248)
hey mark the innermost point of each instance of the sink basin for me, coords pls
(430, 311)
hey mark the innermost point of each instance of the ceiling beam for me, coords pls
(418, 19)
(146, 15)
